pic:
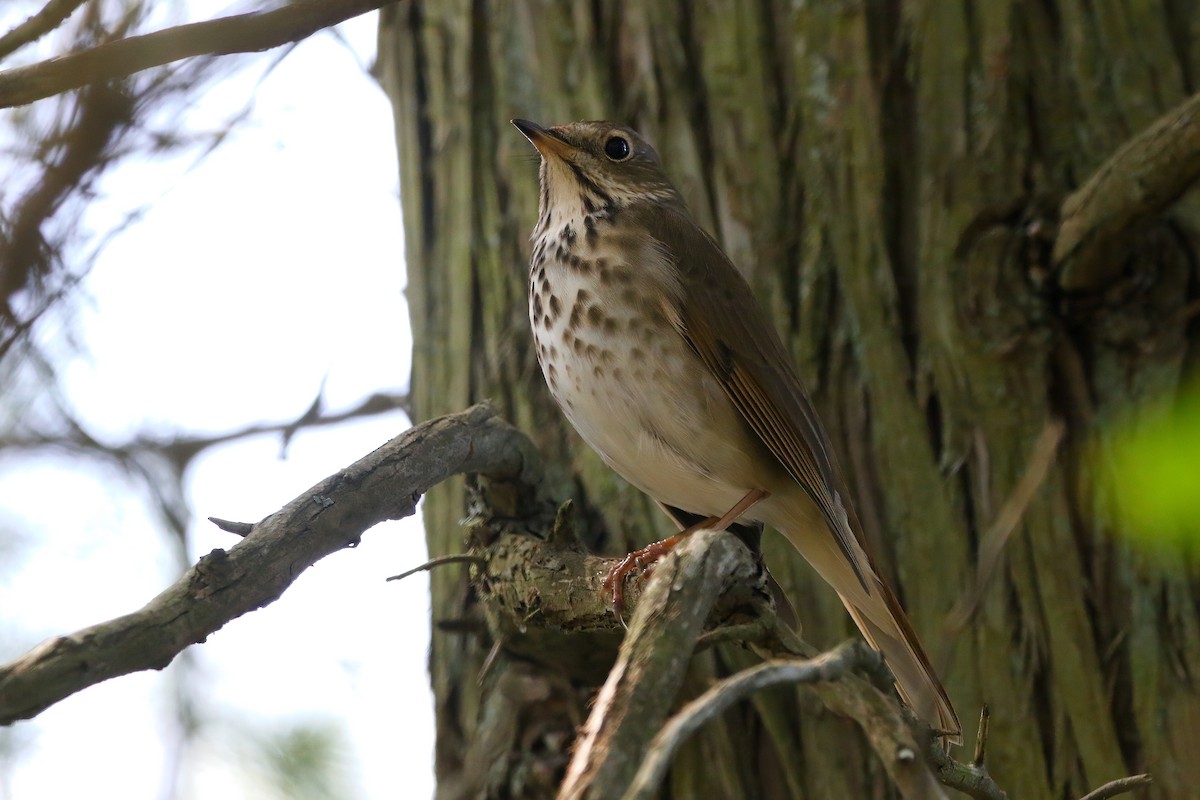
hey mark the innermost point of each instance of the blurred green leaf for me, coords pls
(1156, 473)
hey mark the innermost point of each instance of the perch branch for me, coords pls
(1143, 177)
(642, 685)
(223, 585)
(239, 33)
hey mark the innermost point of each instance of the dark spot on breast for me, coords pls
(579, 307)
(561, 253)
(610, 325)
(588, 205)
(595, 315)
(578, 346)
(537, 305)
(637, 354)
(555, 307)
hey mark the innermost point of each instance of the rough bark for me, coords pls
(890, 176)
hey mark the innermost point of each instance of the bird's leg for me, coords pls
(645, 558)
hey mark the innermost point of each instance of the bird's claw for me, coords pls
(641, 561)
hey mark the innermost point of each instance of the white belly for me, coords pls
(643, 401)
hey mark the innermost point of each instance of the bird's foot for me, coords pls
(641, 561)
(644, 560)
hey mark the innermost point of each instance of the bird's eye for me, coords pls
(617, 148)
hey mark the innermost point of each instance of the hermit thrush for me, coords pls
(656, 350)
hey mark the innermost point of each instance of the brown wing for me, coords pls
(745, 354)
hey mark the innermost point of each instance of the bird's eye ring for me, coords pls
(617, 148)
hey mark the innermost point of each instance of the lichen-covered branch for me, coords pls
(223, 585)
(239, 33)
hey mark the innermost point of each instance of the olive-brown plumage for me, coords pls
(655, 348)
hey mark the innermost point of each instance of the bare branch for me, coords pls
(180, 450)
(38, 25)
(829, 666)
(331, 515)
(1119, 786)
(970, 779)
(649, 671)
(461, 558)
(240, 33)
(1144, 176)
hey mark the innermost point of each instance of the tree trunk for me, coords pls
(888, 175)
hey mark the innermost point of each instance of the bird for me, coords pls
(658, 353)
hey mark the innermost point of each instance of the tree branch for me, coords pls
(240, 33)
(1119, 786)
(38, 25)
(650, 667)
(1143, 177)
(331, 515)
(830, 666)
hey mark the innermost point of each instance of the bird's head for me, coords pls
(589, 165)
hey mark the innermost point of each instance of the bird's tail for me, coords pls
(883, 623)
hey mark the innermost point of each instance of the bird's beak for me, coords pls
(547, 142)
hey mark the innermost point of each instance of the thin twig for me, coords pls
(38, 25)
(981, 738)
(457, 558)
(239, 33)
(1119, 786)
(493, 653)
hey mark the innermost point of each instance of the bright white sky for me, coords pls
(274, 263)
